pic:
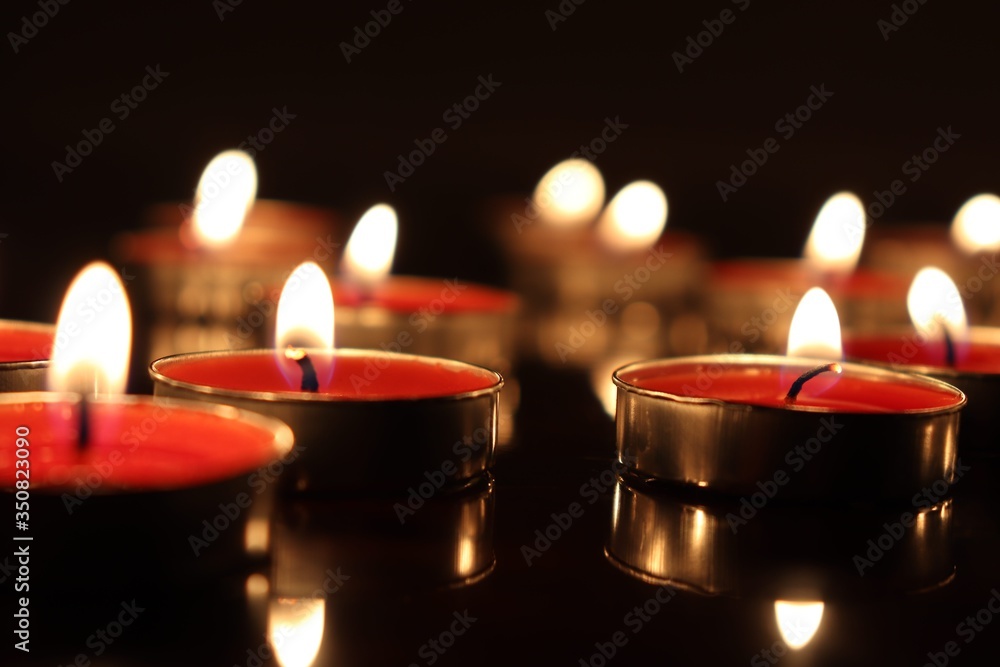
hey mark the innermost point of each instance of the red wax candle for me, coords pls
(25, 348)
(407, 295)
(725, 421)
(377, 421)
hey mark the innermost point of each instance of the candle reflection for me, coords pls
(798, 622)
(295, 629)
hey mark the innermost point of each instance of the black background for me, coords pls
(352, 120)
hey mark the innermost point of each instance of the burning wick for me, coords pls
(83, 433)
(949, 348)
(793, 393)
(309, 381)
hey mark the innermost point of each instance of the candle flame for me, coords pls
(798, 622)
(305, 310)
(836, 238)
(93, 335)
(815, 328)
(225, 194)
(635, 218)
(369, 252)
(935, 305)
(570, 194)
(976, 227)
(295, 629)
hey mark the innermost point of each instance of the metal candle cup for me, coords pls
(153, 475)
(978, 376)
(384, 422)
(722, 422)
(25, 348)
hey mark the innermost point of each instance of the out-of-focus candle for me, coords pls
(25, 348)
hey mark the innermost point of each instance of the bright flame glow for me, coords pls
(815, 328)
(225, 193)
(836, 238)
(295, 629)
(798, 621)
(976, 227)
(369, 252)
(934, 302)
(93, 335)
(570, 194)
(635, 218)
(305, 310)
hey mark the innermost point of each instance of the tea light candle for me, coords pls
(743, 423)
(942, 345)
(364, 420)
(24, 352)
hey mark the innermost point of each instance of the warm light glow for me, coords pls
(369, 252)
(798, 621)
(815, 328)
(635, 218)
(570, 194)
(976, 227)
(93, 335)
(837, 235)
(225, 194)
(295, 629)
(305, 310)
(934, 302)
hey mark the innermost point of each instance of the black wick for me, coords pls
(309, 379)
(949, 347)
(796, 387)
(83, 433)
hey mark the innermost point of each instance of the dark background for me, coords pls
(352, 120)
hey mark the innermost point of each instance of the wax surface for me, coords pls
(407, 294)
(24, 343)
(796, 275)
(761, 385)
(899, 351)
(365, 376)
(133, 447)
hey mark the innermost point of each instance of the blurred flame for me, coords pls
(836, 238)
(815, 328)
(369, 252)
(93, 335)
(570, 194)
(798, 621)
(934, 302)
(635, 218)
(225, 194)
(305, 310)
(976, 227)
(295, 629)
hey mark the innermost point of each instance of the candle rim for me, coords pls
(34, 327)
(293, 397)
(979, 335)
(777, 361)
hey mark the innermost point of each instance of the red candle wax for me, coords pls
(798, 275)
(134, 444)
(343, 375)
(903, 350)
(24, 341)
(751, 383)
(407, 294)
